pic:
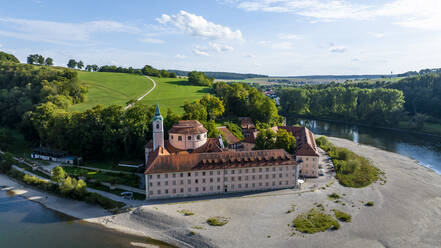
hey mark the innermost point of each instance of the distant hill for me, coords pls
(222, 75)
(344, 77)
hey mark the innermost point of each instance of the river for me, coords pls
(423, 148)
(25, 223)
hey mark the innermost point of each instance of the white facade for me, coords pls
(220, 181)
(187, 141)
(158, 133)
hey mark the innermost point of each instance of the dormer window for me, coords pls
(189, 137)
(180, 138)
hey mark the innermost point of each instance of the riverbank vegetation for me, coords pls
(65, 186)
(351, 169)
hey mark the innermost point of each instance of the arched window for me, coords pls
(199, 137)
(189, 137)
(157, 126)
(171, 136)
(180, 138)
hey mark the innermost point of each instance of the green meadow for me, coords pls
(109, 88)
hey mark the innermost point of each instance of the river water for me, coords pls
(24, 223)
(425, 149)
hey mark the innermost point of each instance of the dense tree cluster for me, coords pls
(92, 68)
(113, 68)
(23, 86)
(39, 60)
(374, 106)
(8, 57)
(268, 139)
(110, 132)
(199, 78)
(72, 64)
(242, 100)
(151, 71)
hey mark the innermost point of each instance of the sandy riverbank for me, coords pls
(406, 213)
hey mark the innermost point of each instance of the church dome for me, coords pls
(187, 135)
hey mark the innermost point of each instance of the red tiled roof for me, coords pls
(165, 163)
(228, 135)
(246, 122)
(306, 145)
(188, 127)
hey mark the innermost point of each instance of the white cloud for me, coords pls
(249, 55)
(180, 56)
(199, 26)
(221, 47)
(356, 59)
(200, 52)
(284, 45)
(338, 49)
(422, 14)
(60, 32)
(152, 40)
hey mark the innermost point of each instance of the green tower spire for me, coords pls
(158, 115)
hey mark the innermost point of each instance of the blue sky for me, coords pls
(275, 37)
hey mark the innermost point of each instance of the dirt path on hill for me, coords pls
(148, 92)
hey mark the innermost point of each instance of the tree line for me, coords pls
(37, 59)
(374, 106)
(222, 75)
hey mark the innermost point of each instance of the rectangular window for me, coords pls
(218, 172)
(240, 171)
(174, 191)
(246, 178)
(159, 183)
(211, 180)
(240, 178)
(260, 176)
(150, 176)
(281, 168)
(266, 184)
(267, 169)
(254, 170)
(274, 169)
(254, 185)
(211, 173)
(218, 187)
(203, 188)
(151, 192)
(189, 174)
(260, 169)
(280, 182)
(196, 174)
(211, 187)
(188, 181)
(196, 189)
(246, 185)
(246, 170)
(274, 175)
(274, 183)
(260, 184)
(195, 181)
(266, 176)
(225, 179)
(151, 184)
(225, 172)
(232, 179)
(280, 175)
(203, 173)
(166, 175)
(239, 186)
(174, 175)
(158, 176)
(189, 189)
(182, 190)
(232, 172)
(159, 191)
(166, 191)
(286, 182)
(182, 182)
(203, 180)
(166, 182)
(218, 179)
(174, 182)
(182, 174)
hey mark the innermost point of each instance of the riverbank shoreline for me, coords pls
(404, 213)
(436, 135)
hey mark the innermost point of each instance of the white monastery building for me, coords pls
(190, 164)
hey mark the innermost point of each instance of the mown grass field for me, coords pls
(172, 93)
(109, 88)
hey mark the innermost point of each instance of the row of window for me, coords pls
(218, 172)
(218, 188)
(198, 137)
(211, 180)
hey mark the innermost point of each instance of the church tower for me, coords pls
(158, 129)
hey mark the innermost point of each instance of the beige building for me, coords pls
(306, 150)
(190, 164)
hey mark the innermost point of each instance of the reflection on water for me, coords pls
(24, 223)
(425, 149)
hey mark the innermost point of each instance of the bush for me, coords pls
(94, 198)
(315, 221)
(6, 161)
(370, 204)
(217, 221)
(333, 196)
(351, 169)
(342, 216)
(186, 212)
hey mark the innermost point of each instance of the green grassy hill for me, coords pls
(173, 92)
(108, 88)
